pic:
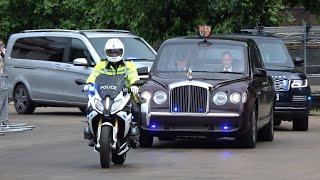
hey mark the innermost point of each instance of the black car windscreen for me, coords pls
(198, 57)
(109, 85)
(275, 54)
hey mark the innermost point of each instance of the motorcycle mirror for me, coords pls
(80, 81)
(139, 83)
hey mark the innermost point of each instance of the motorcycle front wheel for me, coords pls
(119, 159)
(105, 147)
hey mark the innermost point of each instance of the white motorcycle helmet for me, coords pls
(114, 50)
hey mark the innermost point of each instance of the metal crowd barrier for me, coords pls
(5, 126)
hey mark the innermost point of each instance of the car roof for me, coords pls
(249, 36)
(234, 39)
(91, 33)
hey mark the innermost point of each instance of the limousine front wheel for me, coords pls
(22, 101)
(249, 139)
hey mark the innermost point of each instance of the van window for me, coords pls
(79, 50)
(40, 48)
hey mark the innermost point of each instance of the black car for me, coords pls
(204, 100)
(293, 93)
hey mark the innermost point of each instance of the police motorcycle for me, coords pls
(109, 117)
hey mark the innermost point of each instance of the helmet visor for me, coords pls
(114, 52)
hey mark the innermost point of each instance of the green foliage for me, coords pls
(154, 20)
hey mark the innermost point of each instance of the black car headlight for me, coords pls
(299, 83)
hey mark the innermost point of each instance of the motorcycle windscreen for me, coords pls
(110, 85)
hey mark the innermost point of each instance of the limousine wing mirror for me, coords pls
(298, 61)
(259, 72)
(80, 62)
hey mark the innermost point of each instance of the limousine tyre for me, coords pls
(300, 124)
(145, 140)
(249, 139)
(22, 101)
(267, 132)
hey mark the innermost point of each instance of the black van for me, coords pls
(293, 93)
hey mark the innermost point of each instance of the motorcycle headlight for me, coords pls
(235, 98)
(299, 83)
(160, 97)
(220, 98)
(98, 104)
(116, 105)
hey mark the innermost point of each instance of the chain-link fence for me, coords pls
(5, 126)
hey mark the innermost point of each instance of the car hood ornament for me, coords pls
(189, 74)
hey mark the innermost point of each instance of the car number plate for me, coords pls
(277, 97)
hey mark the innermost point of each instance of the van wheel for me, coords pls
(22, 101)
(83, 110)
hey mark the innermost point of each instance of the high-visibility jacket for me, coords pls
(104, 67)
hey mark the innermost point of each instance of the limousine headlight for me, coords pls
(235, 98)
(160, 97)
(299, 83)
(220, 98)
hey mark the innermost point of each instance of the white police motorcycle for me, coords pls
(109, 117)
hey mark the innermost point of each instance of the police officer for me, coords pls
(115, 65)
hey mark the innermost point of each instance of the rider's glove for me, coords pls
(134, 89)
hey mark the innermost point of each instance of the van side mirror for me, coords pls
(143, 71)
(80, 81)
(259, 72)
(80, 62)
(298, 61)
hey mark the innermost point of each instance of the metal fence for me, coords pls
(5, 126)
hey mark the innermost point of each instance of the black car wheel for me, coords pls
(22, 101)
(145, 140)
(267, 132)
(300, 124)
(277, 122)
(249, 139)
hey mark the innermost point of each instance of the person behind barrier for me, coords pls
(2, 54)
(114, 64)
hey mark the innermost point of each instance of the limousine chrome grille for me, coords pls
(189, 98)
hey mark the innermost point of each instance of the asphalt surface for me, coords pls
(55, 150)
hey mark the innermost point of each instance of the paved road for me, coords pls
(55, 150)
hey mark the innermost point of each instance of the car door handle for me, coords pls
(58, 65)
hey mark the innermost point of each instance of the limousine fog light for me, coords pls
(153, 126)
(159, 97)
(220, 98)
(235, 98)
(225, 127)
